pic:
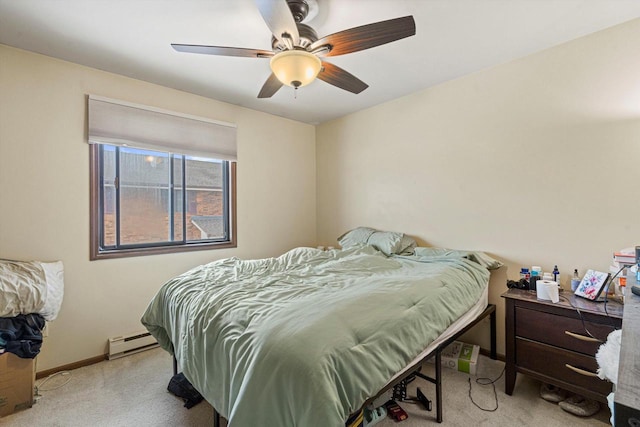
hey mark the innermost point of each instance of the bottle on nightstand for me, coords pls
(575, 280)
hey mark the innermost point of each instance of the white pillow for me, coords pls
(22, 288)
(31, 287)
(54, 275)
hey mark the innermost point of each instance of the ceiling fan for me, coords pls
(295, 58)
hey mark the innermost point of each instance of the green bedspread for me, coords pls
(305, 338)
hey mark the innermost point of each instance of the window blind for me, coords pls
(137, 126)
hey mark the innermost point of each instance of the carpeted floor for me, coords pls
(132, 392)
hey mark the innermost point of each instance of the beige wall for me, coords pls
(44, 193)
(534, 161)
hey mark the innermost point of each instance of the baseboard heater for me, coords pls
(125, 345)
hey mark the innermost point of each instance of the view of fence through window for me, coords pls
(151, 203)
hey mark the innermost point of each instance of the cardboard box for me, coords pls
(461, 356)
(17, 378)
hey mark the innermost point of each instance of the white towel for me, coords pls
(607, 357)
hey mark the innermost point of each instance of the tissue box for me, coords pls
(461, 356)
(17, 378)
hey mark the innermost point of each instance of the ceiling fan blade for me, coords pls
(223, 51)
(338, 77)
(280, 21)
(270, 87)
(366, 36)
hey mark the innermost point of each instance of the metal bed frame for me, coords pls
(415, 367)
(437, 352)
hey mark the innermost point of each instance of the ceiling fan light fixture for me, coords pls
(295, 68)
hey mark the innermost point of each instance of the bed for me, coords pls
(308, 338)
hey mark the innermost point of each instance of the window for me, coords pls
(146, 200)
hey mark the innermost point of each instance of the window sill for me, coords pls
(125, 253)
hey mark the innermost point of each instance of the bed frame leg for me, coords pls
(438, 386)
(494, 353)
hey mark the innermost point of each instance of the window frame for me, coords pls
(96, 252)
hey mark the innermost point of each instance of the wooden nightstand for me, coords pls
(548, 341)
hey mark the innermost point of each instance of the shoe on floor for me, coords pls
(580, 406)
(552, 393)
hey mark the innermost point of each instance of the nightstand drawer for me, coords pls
(552, 362)
(560, 331)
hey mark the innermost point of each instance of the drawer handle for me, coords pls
(581, 371)
(582, 337)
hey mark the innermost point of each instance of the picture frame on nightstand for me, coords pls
(592, 285)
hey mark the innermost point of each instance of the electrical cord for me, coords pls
(605, 301)
(39, 386)
(607, 294)
(584, 325)
(487, 381)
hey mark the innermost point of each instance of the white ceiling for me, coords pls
(453, 38)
